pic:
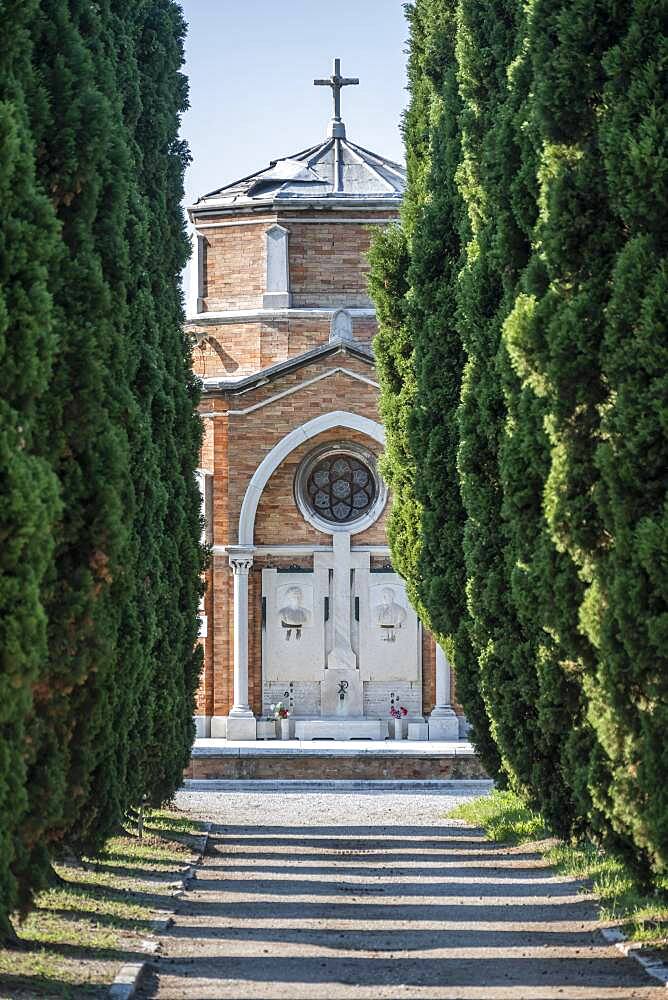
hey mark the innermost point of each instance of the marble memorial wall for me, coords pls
(299, 663)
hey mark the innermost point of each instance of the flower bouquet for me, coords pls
(281, 714)
(398, 714)
(398, 711)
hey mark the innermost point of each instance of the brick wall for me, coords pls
(328, 264)
(235, 267)
(251, 436)
(235, 349)
(278, 517)
(327, 261)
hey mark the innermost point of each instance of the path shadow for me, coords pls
(418, 915)
(487, 973)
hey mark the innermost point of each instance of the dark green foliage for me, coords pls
(625, 612)
(172, 558)
(556, 339)
(420, 356)
(439, 235)
(535, 707)
(489, 40)
(112, 719)
(84, 164)
(551, 325)
(28, 488)
(389, 259)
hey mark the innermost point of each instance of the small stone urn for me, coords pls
(284, 728)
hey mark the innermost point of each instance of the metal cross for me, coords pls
(336, 82)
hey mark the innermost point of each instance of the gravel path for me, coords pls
(370, 895)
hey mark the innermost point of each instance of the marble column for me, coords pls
(241, 721)
(443, 722)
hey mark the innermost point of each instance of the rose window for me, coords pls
(341, 489)
(337, 488)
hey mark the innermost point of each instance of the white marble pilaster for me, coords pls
(195, 302)
(443, 722)
(277, 295)
(241, 718)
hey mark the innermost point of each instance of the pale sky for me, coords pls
(251, 65)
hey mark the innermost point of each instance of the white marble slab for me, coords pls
(341, 729)
(332, 748)
(293, 636)
(388, 630)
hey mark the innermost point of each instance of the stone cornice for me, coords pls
(268, 315)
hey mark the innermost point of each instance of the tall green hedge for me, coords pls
(625, 610)
(83, 163)
(420, 356)
(554, 285)
(488, 40)
(101, 412)
(164, 732)
(28, 488)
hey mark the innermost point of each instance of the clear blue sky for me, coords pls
(251, 65)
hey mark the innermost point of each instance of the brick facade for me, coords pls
(327, 270)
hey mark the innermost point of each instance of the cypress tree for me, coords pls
(489, 38)
(174, 561)
(555, 337)
(504, 453)
(421, 357)
(83, 164)
(439, 236)
(28, 487)
(625, 611)
(535, 568)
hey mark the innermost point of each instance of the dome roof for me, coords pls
(334, 171)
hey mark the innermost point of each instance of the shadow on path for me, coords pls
(374, 911)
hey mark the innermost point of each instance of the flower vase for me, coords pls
(397, 729)
(284, 728)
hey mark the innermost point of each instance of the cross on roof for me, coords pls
(336, 82)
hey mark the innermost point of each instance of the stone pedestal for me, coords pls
(218, 727)
(418, 731)
(284, 729)
(446, 728)
(241, 728)
(398, 728)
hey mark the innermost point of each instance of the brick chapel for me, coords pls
(302, 604)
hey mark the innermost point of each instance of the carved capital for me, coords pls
(241, 559)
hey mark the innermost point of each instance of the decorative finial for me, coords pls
(336, 82)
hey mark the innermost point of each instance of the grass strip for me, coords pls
(82, 931)
(505, 818)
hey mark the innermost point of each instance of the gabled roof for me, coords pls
(334, 170)
(241, 385)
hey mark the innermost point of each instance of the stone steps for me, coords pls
(330, 760)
